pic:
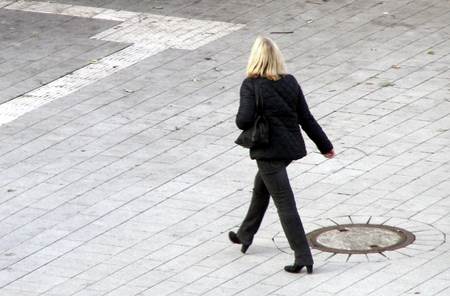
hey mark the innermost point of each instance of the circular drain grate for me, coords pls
(366, 238)
(359, 238)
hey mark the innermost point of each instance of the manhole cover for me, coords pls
(360, 238)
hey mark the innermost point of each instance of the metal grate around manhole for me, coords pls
(359, 238)
(362, 238)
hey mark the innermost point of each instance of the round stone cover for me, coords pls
(359, 238)
(365, 238)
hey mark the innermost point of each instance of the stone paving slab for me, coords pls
(129, 184)
(23, 70)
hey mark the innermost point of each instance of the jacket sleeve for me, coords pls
(247, 106)
(310, 125)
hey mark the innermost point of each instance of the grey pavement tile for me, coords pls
(48, 51)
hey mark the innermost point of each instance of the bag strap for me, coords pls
(259, 101)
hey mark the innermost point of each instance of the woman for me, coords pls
(285, 107)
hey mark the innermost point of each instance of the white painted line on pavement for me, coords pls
(148, 34)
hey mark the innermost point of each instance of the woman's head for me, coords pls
(265, 59)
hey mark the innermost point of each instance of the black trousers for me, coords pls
(272, 180)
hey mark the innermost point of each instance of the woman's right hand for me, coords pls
(330, 154)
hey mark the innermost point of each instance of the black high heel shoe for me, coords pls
(234, 238)
(296, 268)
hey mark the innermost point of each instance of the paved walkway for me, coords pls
(119, 175)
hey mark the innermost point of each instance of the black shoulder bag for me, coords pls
(258, 134)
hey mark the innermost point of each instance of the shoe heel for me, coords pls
(233, 237)
(309, 268)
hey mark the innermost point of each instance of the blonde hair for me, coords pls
(265, 60)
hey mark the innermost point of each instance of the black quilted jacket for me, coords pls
(285, 107)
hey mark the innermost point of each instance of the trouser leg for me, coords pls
(274, 176)
(258, 206)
